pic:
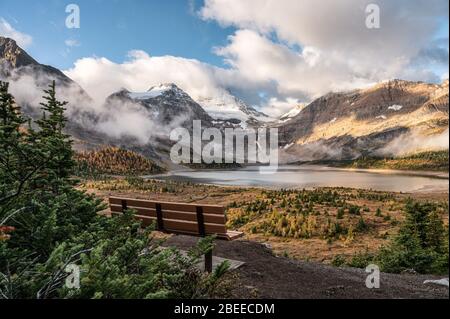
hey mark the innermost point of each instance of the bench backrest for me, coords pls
(177, 218)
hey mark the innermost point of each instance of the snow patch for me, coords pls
(287, 146)
(395, 107)
(152, 93)
(333, 120)
(225, 106)
(381, 117)
(292, 113)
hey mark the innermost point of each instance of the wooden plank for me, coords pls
(182, 226)
(140, 210)
(177, 225)
(132, 202)
(208, 209)
(188, 216)
(147, 221)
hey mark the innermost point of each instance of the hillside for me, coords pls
(114, 161)
(427, 161)
(388, 118)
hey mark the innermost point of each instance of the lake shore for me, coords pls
(311, 176)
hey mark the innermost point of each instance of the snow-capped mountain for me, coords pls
(159, 90)
(229, 109)
(167, 104)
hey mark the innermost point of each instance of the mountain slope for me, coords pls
(16, 62)
(364, 122)
(292, 113)
(114, 161)
(228, 108)
(12, 55)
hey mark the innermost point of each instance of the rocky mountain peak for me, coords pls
(14, 55)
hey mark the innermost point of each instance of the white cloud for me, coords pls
(415, 142)
(102, 77)
(72, 43)
(304, 75)
(336, 50)
(406, 25)
(22, 39)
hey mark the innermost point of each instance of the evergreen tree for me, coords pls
(56, 146)
(420, 243)
(12, 172)
(38, 164)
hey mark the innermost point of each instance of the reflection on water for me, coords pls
(307, 176)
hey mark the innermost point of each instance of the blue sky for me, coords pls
(273, 56)
(111, 28)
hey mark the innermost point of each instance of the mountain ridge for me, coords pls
(363, 121)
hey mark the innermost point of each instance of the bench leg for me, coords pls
(208, 262)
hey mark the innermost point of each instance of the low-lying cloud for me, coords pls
(415, 142)
(117, 119)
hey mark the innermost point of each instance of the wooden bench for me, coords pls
(179, 218)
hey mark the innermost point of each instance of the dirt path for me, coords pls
(267, 276)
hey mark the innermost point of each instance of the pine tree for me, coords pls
(16, 161)
(53, 121)
(56, 145)
(10, 136)
(38, 164)
(10, 115)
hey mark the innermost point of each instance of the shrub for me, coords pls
(421, 244)
(361, 226)
(378, 212)
(362, 260)
(340, 213)
(338, 261)
(354, 210)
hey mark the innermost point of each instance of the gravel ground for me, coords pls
(266, 276)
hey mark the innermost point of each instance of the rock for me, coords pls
(440, 282)
(409, 272)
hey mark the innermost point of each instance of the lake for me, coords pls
(309, 176)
